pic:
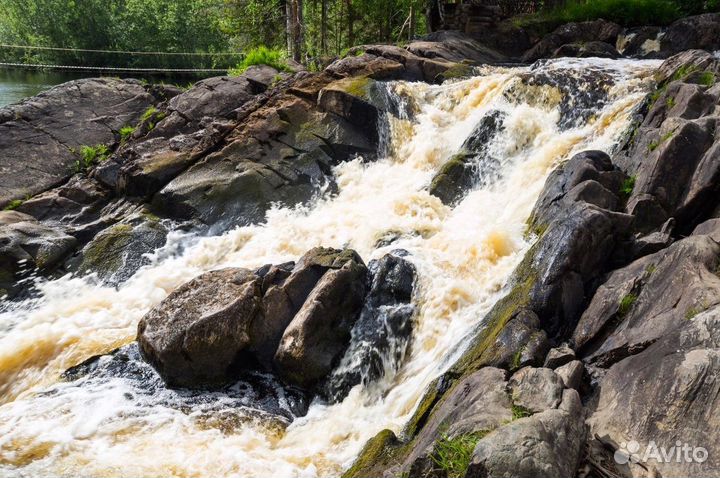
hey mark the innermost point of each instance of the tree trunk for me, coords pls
(323, 27)
(411, 33)
(351, 21)
(299, 31)
(289, 27)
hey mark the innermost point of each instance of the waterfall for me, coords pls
(463, 255)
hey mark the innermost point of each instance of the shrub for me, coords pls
(624, 12)
(261, 56)
(519, 412)
(707, 78)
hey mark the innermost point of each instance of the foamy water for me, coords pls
(463, 256)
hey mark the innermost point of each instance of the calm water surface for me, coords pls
(18, 84)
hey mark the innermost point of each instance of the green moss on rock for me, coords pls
(378, 450)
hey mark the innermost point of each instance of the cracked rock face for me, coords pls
(39, 135)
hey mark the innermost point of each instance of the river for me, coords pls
(111, 426)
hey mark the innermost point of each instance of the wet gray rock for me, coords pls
(591, 49)
(26, 244)
(381, 335)
(593, 31)
(314, 341)
(254, 396)
(45, 131)
(535, 389)
(559, 356)
(472, 166)
(520, 343)
(649, 298)
(589, 177)
(547, 444)
(118, 251)
(196, 336)
(667, 392)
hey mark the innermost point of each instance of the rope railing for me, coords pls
(122, 52)
(110, 68)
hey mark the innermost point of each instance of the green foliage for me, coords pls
(14, 204)
(707, 78)
(130, 25)
(517, 356)
(148, 114)
(628, 186)
(683, 72)
(126, 132)
(90, 156)
(670, 102)
(691, 313)
(453, 455)
(626, 304)
(624, 12)
(261, 55)
(519, 412)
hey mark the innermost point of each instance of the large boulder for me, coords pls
(475, 406)
(47, 131)
(317, 336)
(293, 319)
(666, 394)
(118, 251)
(381, 335)
(196, 335)
(536, 389)
(545, 445)
(649, 298)
(283, 152)
(696, 32)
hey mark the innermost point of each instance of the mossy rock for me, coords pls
(375, 457)
(457, 71)
(117, 252)
(453, 179)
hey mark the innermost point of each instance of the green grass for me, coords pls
(651, 268)
(90, 156)
(628, 186)
(626, 304)
(517, 356)
(453, 455)
(148, 114)
(670, 102)
(519, 412)
(126, 132)
(683, 72)
(261, 56)
(14, 204)
(707, 78)
(624, 12)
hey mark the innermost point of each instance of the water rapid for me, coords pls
(105, 426)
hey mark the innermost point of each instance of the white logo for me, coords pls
(631, 452)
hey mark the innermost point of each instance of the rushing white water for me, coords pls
(463, 256)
